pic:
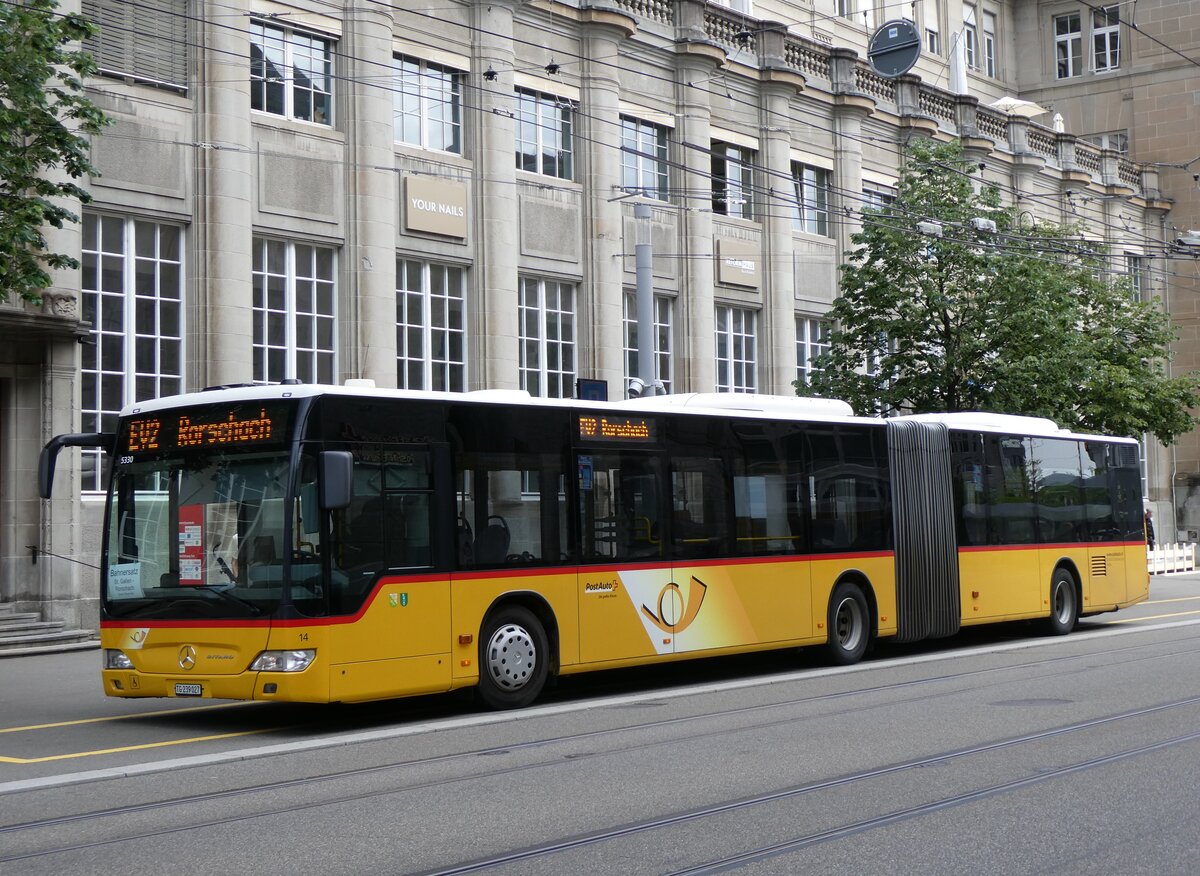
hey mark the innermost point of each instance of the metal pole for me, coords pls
(644, 257)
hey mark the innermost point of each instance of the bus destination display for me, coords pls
(627, 430)
(240, 426)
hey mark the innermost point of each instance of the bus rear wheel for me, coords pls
(1064, 604)
(849, 623)
(513, 658)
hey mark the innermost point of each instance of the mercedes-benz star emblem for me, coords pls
(187, 656)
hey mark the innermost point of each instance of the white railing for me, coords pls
(1178, 557)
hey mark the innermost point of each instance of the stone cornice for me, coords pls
(854, 103)
(609, 16)
(783, 76)
(701, 49)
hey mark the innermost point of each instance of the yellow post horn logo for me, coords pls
(675, 614)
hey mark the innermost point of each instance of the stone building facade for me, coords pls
(445, 200)
(1134, 86)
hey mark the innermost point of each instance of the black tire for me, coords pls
(514, 658)
(849, 624)
(1064, 604)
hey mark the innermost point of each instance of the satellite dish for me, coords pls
(894, 48)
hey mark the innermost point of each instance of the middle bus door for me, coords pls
(624, 572)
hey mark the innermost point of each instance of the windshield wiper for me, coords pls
(224, 593)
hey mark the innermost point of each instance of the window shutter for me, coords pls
(147, 40)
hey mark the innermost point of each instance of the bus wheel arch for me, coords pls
(518, 650)
(1065, 599)
(851, 619)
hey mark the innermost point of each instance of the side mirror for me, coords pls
(49, 455)
(337, 479)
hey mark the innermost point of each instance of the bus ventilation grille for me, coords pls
(1100, 566)
(927, 595)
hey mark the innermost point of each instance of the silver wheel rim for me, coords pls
(1062, 602)
(848, 626)
(511, 657)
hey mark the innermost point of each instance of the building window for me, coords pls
(1106, 38)
(132, 290)
(877, 197)
(428, 105)
(732, 180)
(663, 310)
(737, 349)
(812, 339)
(989, 44)
(294, 312)
(1068, 45)
(812, 199)
(291, 74)
(145, 42)
(643, 158)
(1136, 270)
(929, 21)
(1118, 141)
(970, 37)
(547, 337)
(545, 141)
(853, 9)
(430, 326)
(743, 6)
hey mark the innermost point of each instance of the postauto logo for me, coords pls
(675, 611)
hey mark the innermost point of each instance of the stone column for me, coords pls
(494, 299)
(38, 405)
(697, 61)
(368, 267)
(600, 125)
(220, 310)
(850, 107)
(779, 85)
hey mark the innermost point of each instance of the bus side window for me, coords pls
(970, 497)
(619, 506)
(699, 515)
(1013, 513)
(358, 540)
(849, 498)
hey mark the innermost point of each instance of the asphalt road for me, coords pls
(994, 752)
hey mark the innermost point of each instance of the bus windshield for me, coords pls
(206, 535)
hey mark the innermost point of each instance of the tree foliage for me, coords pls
(1027, 319)
(44, 120)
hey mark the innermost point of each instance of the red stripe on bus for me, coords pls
(1081, 545)
(490, 574)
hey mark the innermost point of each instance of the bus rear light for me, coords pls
(114, 659)
(283, 661)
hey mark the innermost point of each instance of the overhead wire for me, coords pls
(763, 192)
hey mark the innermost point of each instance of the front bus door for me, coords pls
(624, 574)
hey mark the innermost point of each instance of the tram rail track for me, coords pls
(30, 828)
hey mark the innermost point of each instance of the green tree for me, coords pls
(44, 120)
(937, 315)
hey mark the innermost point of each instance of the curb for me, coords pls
(34, 650)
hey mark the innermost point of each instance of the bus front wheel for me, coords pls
(849, 624)
(513, 658)
(1064, 605)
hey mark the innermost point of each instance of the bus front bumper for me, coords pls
(306, 687)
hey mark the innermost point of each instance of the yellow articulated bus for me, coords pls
(324, 544)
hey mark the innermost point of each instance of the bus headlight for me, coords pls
(283, 661)
(114, 659)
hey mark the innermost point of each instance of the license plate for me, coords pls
(189, 690)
